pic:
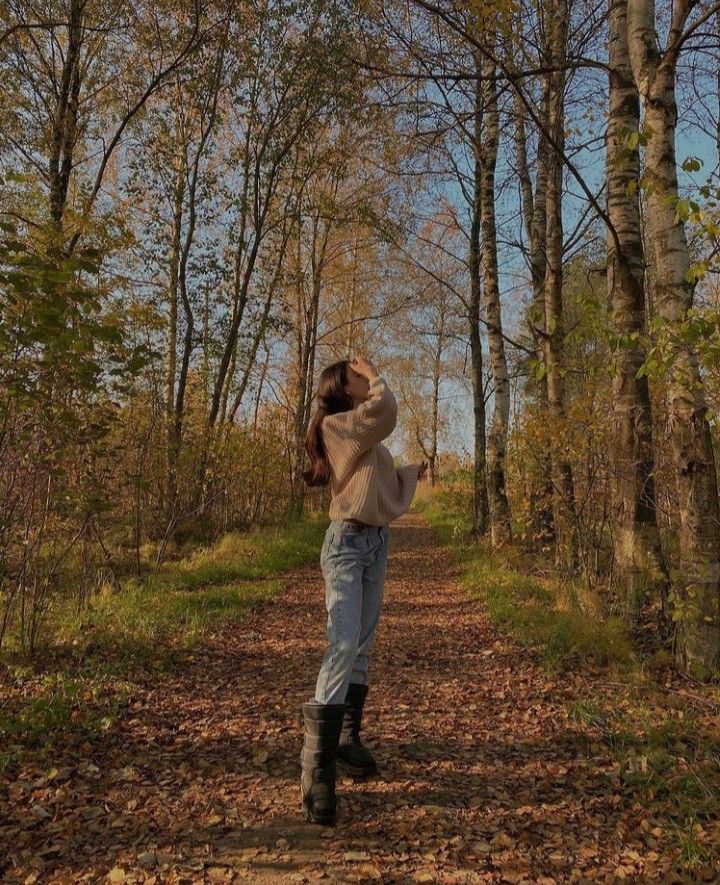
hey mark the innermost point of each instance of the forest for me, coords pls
(512, 206)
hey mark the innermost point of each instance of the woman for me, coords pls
(356, 410)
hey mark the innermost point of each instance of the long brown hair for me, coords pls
(331, 399)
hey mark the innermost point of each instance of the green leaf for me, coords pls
(692, 164)
(696, 272)
(682, 211)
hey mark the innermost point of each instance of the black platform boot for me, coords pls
(317, 761)
(353, 756)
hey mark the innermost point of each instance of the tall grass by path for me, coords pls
(549, 615)
(662, 742)
(175, 607)
(92, 661)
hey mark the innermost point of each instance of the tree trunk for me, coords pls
(697, 594)
(561, 471)
(641, 570)
(500, 531)
(172, 332)
(435, 407)
(64, 131)
(306, 326)
(480, 492)
(540, 492)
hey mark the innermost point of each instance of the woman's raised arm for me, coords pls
(359, 429)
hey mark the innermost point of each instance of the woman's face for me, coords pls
(357, 386)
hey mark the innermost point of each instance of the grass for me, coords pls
(541, 613)
(83, 677)
(148, 622)
(667, 755)
(45, 710)
(246, 557)
(146, 625)
(668, 759)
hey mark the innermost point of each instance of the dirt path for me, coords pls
(483, 777)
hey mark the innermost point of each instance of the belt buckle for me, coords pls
(357, 524)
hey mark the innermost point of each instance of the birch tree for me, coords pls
(534, 212)
(642, 573)
(553, 333)
(696, 594)
(487, 151)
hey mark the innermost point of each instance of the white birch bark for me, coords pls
(500, 532)
(697, 589)
(641, 571)
(538, 486)
(563, 486)
(480, 496)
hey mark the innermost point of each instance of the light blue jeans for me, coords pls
(353, 562)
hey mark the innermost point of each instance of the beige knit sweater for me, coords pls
(364, 482)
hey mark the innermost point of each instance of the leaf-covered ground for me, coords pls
(492, 770)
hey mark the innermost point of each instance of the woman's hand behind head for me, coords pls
(363, 366)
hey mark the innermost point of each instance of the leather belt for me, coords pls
(360, 524)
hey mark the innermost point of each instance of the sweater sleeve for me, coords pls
(359, 429)
(408, 479)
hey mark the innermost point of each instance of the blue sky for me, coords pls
(690, 141)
